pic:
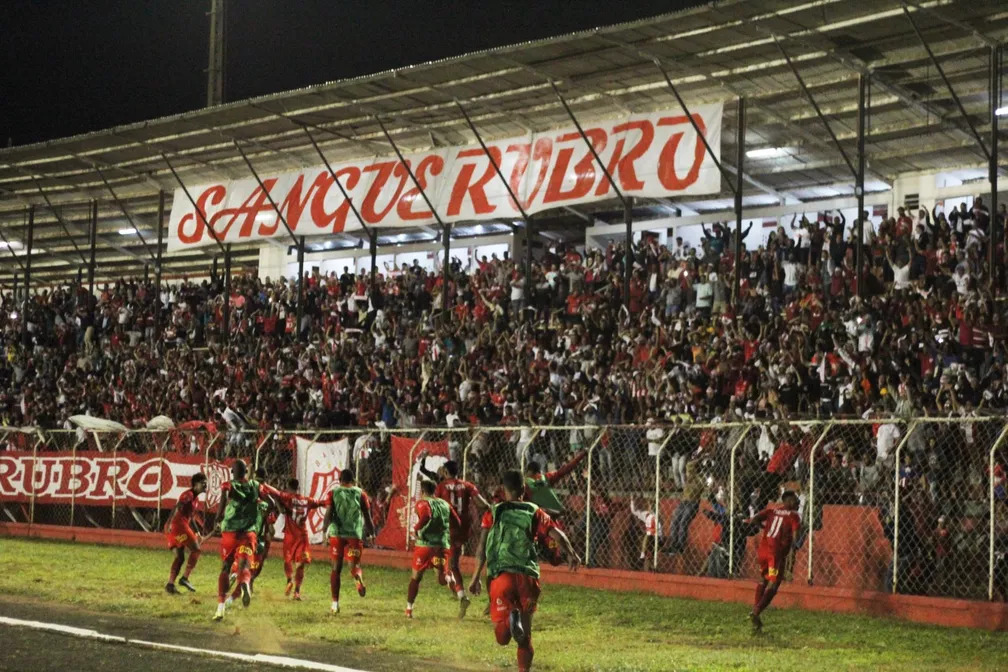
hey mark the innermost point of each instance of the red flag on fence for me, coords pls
(405, 450)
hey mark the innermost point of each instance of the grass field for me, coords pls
(575, 629)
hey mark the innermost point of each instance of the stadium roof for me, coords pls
(715, 52)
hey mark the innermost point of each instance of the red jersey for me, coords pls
(295, 510)
(541, 524)
(779, 529)
(186, 508)
(459, 494)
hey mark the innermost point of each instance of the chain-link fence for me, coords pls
(908, 505)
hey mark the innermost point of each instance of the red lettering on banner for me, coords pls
(214, 195)
(385, 170)
(256, 203)
(337, 218)
(667, 173)
(476, 190)
(584, 169)
(8, 470)
(293, 205)
(541, 152)
(432, 164)
(622, 167)
(104, 484)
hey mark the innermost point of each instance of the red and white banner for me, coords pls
(319, 464)
(406, 473)
(94, 478)
(652, 155)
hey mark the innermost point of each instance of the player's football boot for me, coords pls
(184, 582)
(232, 582)
(517, 629)
(409, 613)
(219, 615)
(334, 608)
(361, 588)
(246, 594)
(757, 624)
(170, 589)
(289, 588)
(464, 602)
(229, 601)
(297, 597)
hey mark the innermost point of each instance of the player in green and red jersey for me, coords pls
(238, 536)
(507, 548)
(435, 518)
(347, 522)
(181, 535)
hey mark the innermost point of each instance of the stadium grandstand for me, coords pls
(677, 265)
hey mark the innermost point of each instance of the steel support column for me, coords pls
(445, 275)
(227, 294)
(740, 165)
(192, 201)
(30, 235)
(300, 287)
(157, 267)
(92, 245)
(629, 256)
(863, 84)
(373, 248)
(995, 102)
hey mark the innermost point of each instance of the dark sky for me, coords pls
(69, 67)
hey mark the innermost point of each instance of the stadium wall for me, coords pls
(929, 610)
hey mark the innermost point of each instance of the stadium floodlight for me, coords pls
(1001, 112)
(127, 232)
(767, 152)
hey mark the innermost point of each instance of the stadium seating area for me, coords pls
(559, 347)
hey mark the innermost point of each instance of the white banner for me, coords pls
(318, 467)
(653, 155)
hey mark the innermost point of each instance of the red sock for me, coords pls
(246, 575)
(298, 578)
(502, 631)
(768, 596)
(525, 654)
(357, 574)
(414, 588)
(288, 570)
(234, 567)
(760, 587)
(222, 585)
(176, 565)
(334, 584)
(191, 564)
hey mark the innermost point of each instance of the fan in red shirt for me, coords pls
(295, 508)
(780, 525)
(181, 536)
(460, 495)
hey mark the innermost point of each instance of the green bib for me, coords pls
(347, 516)
(543, 495)
(435, 532)
(510, 546)
(242, 509)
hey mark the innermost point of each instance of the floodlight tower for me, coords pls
(215, 68)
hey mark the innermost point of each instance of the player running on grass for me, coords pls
(459, 494)
(238, 537)
(347, 522)
(780, 525)
(295, 508)
(507, 548)
(180, 534)
(434, 518)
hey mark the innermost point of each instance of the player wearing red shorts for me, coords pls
(264, 530)
(507, 548)
(295, 508)
(181, 536)
(434, 516)
(460, 495)
(347, 521)
(238, 537)
(780, 525)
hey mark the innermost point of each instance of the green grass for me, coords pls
(575, 629)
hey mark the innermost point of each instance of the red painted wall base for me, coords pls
(932, 610)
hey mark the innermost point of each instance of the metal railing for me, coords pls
(907, 505)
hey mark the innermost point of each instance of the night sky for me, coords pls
(69, 67)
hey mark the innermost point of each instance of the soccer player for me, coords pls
(539, 491)
(264, 536)
(181, 536)
(459, 494)
(780, 525)
(347, 522)
(238, 537)
(507, 548)
(434, 518)
(295, 508)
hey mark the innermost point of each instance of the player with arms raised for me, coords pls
(180, 534)
(434, 517)
(507, 548)
(347, 521)
(780, 526)
(295, 544)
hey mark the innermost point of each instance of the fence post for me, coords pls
(465, 453)
(525, 449)
(657, 492)
(990, 479)
(731, 501)
(896, 505)
(31, 506)
(410, 485)
(269, 435)
(73, 482)
(588, 517)
(811, 499)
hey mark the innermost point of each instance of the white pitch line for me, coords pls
(87, 633)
